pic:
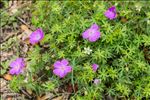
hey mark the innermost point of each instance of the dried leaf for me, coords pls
(9, 98)
(27, 41)
(26, 34)
(24, 27)
(58, 98)
(8, 77)
(38, 98)
(29, 91)
(26, 30)
(47, 96)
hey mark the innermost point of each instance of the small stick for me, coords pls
(24, 92)
(8, 36)
(24, 22)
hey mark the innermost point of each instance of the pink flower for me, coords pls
(97, 81)
(111, 13)
(61, 68)
(17, 66)
(95, 67)
(92, 34)
(36, 36)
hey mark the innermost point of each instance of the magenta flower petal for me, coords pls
(92, 34)
(111, 13)
(20, 62)
(113, 8)
(19, 71)
(65, 62)
(97, 81)
(62, 74)
(68, 69)
(57, 64)
(56, 71)
(95, 27)
(13, 64)
(59, 73)
(12, 71)
(17, 66)
(61, 68)
(95, 67)
(85, 34)
(36, 36)
(94, 37)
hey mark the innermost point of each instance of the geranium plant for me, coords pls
(114, 65)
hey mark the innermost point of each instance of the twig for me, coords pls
(39, 78)
(9, 36)
(24, 22)
(25, 93)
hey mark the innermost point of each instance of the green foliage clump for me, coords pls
(124, 67)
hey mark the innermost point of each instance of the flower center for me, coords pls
(37, 36)
(62, 68)
(91, 32)
(17, 67)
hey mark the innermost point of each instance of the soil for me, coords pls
(12, 30)
(14, 40)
